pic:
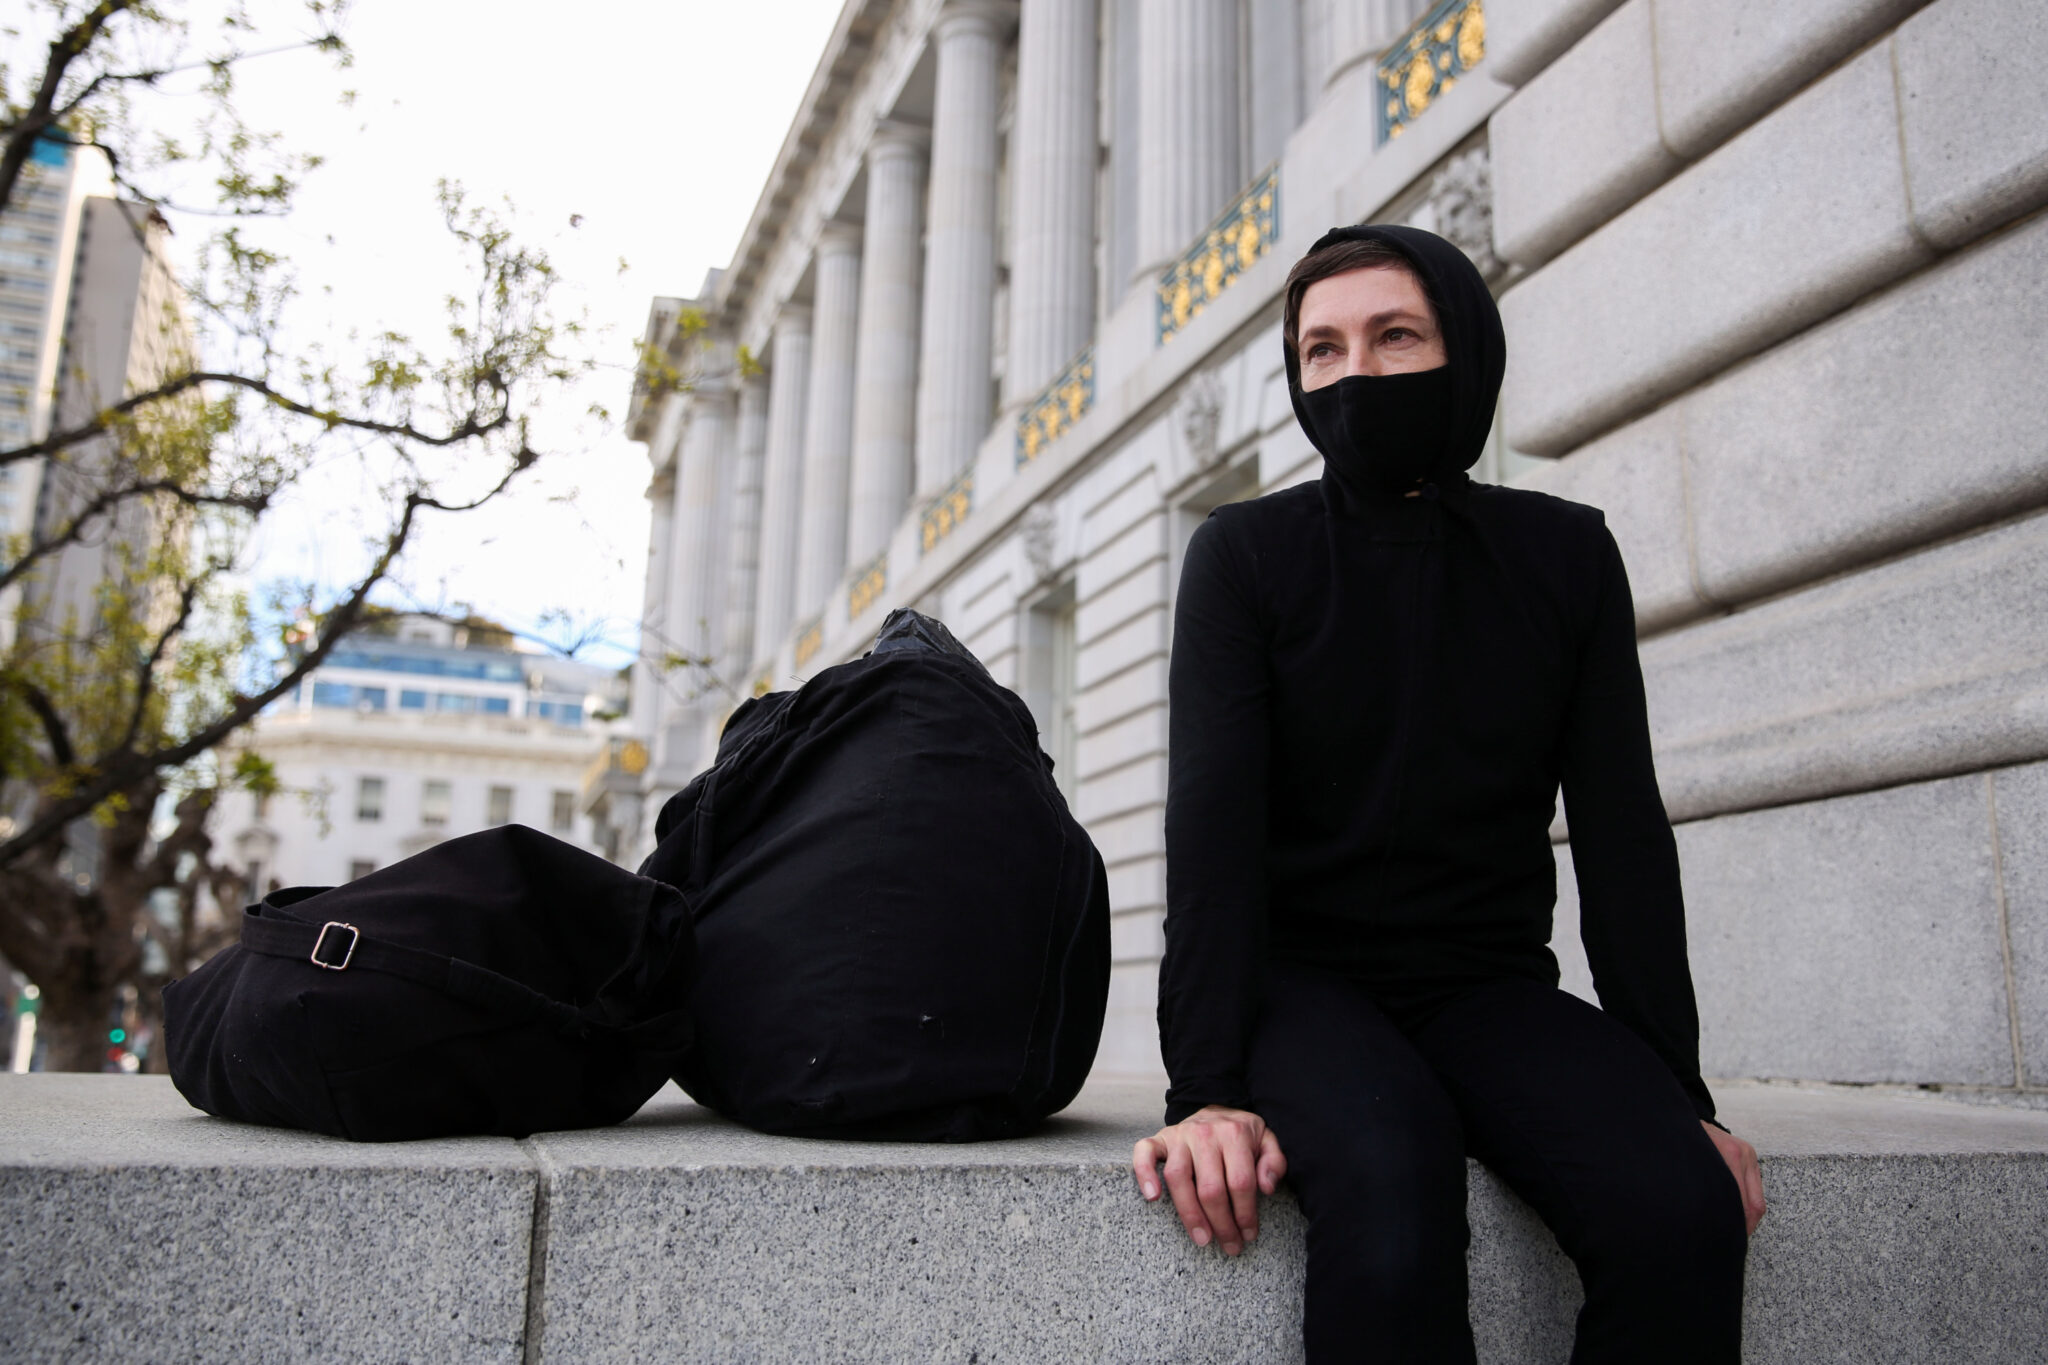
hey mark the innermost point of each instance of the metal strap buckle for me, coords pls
(354, 936)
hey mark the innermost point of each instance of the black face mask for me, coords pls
(1382, 433)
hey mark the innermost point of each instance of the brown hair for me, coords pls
(1336, 259)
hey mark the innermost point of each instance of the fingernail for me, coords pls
(1201, 1236)
(1232, 1248)
(1251, 1234)
(1151, 1191)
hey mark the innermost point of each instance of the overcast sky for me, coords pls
(655, 121)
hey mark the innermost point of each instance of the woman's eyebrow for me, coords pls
(1378, 319)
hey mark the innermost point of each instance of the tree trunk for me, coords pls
(76, 1029)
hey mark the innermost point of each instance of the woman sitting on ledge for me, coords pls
(1379, 681)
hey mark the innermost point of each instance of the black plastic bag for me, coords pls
(500, 983)
(902, 932)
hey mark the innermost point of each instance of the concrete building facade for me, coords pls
(1772, 277)
(125, 331)
(40, 235)
(408, 737)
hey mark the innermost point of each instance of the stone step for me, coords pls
(132, 1228)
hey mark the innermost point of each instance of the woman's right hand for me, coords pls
(1218, 1161)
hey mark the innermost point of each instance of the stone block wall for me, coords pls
(1890, 936)
(1776, 288)
(1781, 309)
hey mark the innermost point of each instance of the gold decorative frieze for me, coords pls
(868, 586)
(1425, 64)
(943, 514)
(1058, 406)
(1231, 246)
(809, 641)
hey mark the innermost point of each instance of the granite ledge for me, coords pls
(679, 1236)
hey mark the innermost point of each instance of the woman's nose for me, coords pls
(1361, 360)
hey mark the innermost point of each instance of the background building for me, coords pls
(125, 331)
(40, 236)
(1776, 287)
(411, 734)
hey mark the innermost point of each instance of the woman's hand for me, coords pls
(1742, 1164)
(1218, 1162)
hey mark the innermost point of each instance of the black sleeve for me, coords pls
(1632, 912)
(1211, 975)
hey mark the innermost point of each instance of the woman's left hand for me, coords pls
(1749, 1175)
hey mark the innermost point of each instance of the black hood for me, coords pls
(1474, 345)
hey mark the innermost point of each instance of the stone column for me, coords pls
(828, 417)
(782, 475)
(697, 617)
(645, 699)
(694, 618)
(743, 534)
(1360, 30)
(958, 340)
(1052, 194)
(885, 358)
(1187, 123)
(1273, 68)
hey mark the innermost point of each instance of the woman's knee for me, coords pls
(1389, 1219)
(1681, 1221)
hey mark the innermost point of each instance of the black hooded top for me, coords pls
(1375, 700)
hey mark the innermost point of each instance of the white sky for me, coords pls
(655, 120)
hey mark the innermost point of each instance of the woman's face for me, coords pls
(1372, 321)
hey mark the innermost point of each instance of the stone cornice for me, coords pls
(821, 157)
(360, 737)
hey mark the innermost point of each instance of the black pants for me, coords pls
(1376, 1106)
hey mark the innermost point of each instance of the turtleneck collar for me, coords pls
(1400, 519)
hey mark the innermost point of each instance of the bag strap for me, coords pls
(339, 947)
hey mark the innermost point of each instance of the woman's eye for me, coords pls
(1320, 349)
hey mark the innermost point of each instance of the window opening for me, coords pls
(1050, 674)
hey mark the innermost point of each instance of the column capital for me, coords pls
(992, 17)
(838, 239)
(795, 316)
(899, 137)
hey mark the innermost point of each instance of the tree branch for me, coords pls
(145, 670)
(475, 424)
(117, 771)
(188, 836)
(108, 499)
(54, 730)
(28, 929)
(151, 75)
(42, 112)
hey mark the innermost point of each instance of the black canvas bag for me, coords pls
(500, 983)
(902, 932)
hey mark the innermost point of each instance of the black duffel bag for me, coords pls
(901, 931)
(500, 983)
